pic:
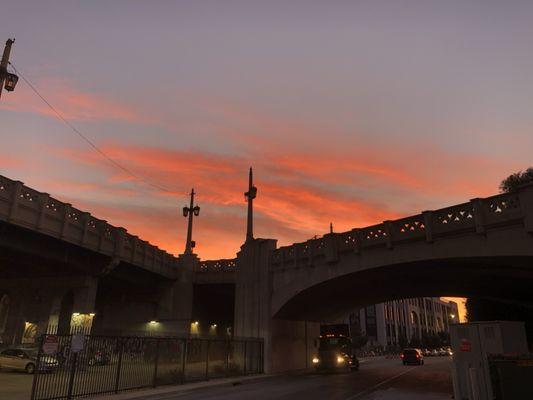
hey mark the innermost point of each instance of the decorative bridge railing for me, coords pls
(26, 207)
(223, 265)
(474, 216)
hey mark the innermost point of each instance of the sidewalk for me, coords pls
(144, 394)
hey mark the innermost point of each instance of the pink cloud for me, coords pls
(72, 102)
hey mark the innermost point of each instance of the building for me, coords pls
(394, 323)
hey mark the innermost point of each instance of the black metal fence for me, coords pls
(69, 367)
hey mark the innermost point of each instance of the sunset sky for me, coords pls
(349, 111)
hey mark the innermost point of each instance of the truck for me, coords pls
(335, 350)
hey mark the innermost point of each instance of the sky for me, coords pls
(350, 112)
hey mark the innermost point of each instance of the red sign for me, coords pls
(466, 345)
(50, 344)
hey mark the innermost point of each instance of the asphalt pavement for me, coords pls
(377, 379)
(15, 385)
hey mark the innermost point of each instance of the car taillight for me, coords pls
(401, 355)
(418, 356)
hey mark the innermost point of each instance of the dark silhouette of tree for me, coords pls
(414, 342)
(513, 181)
(402, 341)
(444, 338)
(492, 310)
(359, 341)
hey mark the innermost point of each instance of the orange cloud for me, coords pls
(299, 193)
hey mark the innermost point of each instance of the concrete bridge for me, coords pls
(483, 247)
(61, 268)
(59, 264)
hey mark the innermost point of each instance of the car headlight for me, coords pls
(340, 359)
(315, 360)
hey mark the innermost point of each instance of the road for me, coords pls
(15, 385)
(377, 379)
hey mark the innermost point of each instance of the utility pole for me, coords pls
(189, 212)
(9, 79)
(250, 195)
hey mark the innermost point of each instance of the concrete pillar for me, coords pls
(253, 284)
(174, 309)
(83, 310)
(85, 296)
(289, 345)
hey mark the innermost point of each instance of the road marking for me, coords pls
(373, 388)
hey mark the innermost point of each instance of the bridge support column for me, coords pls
(83, 308)
(289, 345)
(174, 309)
(252, 294)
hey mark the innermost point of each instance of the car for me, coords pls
(426, 352)
(22, 359)
(442, 352)
(412, 356)
(335, 353)
(433, 353)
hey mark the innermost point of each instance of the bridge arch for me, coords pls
(508, 279)
(480, 248)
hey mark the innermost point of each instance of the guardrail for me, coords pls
(23, 206)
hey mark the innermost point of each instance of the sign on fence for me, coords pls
(50, 344)
(77, 343)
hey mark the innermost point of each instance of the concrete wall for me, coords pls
(289, 345)
(294, 343)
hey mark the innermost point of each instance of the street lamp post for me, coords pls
(189, 212)
(7, 79)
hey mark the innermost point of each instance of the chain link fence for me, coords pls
(73, 366)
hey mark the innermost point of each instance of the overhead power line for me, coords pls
(86, 139)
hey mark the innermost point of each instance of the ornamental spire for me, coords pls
(250, 195)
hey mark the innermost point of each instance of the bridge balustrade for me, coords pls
(222, 265)
(501, 208)
(474, 216)
(410, 228)
(26, 207)
(373, 235)
(453, 219)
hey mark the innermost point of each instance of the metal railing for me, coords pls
(73, 366)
